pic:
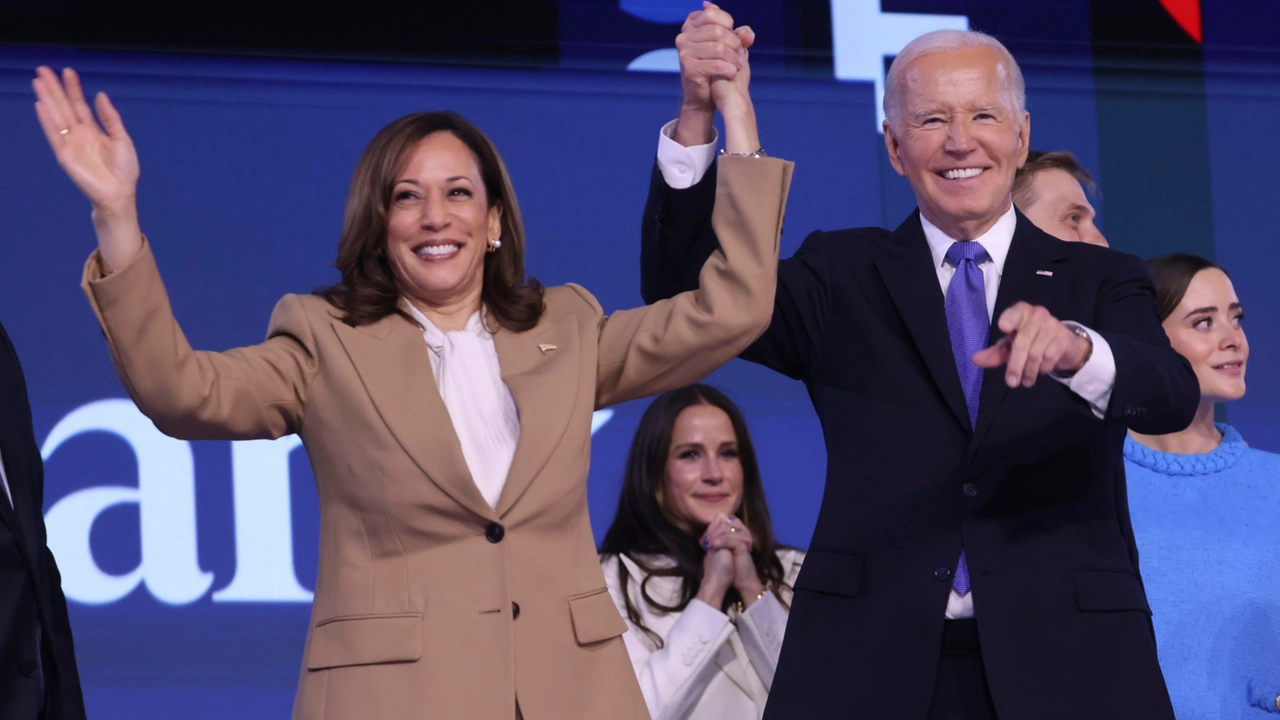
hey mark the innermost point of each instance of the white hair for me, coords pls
(941, 41)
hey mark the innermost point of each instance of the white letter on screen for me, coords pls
(166, 509)
(862, 36)
(264, 524)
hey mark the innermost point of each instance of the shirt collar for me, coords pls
(995, 241)
(435, 338)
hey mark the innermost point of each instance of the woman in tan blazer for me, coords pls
(446, 588)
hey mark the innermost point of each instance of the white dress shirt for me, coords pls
(683, 167)
(1097, 378)
(711, 665)
(481, 407)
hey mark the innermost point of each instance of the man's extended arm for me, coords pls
(676, 235)
(1156, 391)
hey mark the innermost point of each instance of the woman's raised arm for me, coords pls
(99, 159)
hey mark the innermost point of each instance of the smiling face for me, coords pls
(1206, 329)
(438, 225)
(703, 474)
(959, 140)
(1060, 207)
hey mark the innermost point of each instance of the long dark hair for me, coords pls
(368, 290)
(642, 529)
(1172, 275)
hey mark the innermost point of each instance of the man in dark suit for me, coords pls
(38, 676)
(974, 378)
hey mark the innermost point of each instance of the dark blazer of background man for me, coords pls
(1028, 491)
(38, 676)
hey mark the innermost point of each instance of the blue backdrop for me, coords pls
(245, 164)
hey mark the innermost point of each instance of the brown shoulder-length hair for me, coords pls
(1172, 275)
(643, 528)
(368, 290)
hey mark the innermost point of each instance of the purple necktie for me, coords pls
(969, 326)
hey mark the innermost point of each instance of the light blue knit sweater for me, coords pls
(1208, 533)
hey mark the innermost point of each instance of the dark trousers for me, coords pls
(961, 691)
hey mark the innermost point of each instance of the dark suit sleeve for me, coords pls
(1156, 392)
(676, 236)
(64, 693)
(676, 240)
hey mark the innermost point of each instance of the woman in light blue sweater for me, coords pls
(1206, 514)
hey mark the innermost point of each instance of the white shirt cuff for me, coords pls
(683, 167)
(1095, 381)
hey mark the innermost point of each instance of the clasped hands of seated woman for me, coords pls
(728, 563)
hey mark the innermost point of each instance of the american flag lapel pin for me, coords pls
(1046, 273)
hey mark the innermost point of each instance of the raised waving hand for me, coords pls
(99, 159)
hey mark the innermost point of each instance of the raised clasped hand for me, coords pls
(713, 60)
(1035, 343)
(100, 160)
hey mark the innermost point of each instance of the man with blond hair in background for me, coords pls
(974, 378)
(1050, 189)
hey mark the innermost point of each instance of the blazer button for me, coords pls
(942, 574)
(494, 532)
(27, 668)
(515, 611)
(969, 489)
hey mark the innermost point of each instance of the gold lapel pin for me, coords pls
(546, 347)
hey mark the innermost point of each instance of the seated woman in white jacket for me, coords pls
(692, 564)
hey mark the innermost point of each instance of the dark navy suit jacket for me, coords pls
(30, 586)
(1034, 494)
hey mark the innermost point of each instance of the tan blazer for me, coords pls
(429, 603)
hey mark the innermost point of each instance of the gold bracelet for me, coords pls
(765, 591)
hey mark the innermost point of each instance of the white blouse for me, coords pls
(711, 666)
(484, 414)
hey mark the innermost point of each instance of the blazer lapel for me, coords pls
(727, 659)
(906, 265)
(1029, 275)
(14, 454)
(14, 471)
(541, 369)
(391, 359)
